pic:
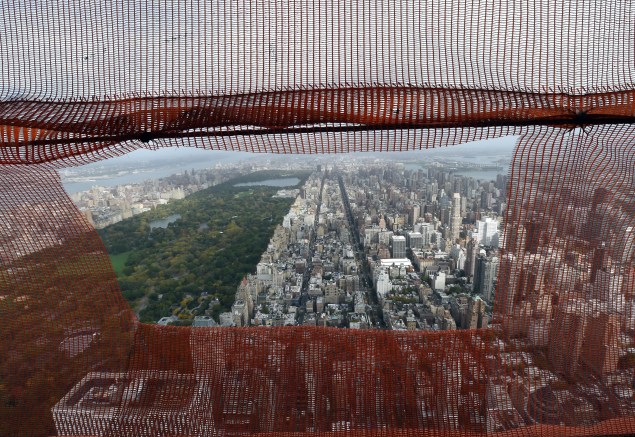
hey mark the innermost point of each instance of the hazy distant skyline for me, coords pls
(153, 164)
(496, 146)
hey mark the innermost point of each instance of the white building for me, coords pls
(487, 232)
(455, 220)
(439, 281)
(426, 230)
(383, 283)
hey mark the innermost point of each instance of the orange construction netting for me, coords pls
(85, 81)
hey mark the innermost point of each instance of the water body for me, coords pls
(486, 175)
(128, 178)
(164, 222)
(143, 165)
(282, 182)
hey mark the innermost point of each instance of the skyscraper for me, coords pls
(485, 276)
(414, 240)
(488, 231)
(486, 200)
(455, 218)
(470, 262)
(600, 349)
(533, 236)
(567, 334)
(398, 246)
(508, 277)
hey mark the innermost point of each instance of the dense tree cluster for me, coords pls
(196, 262)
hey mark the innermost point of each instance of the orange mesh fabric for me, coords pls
(71, 336)
(80, 82)
(63, 310)
(38, 132)
(77, 79)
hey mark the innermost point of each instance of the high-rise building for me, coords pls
(463, 206)
(398, 246)
(414, 240)
(413, 214)
(384, 237)
(371, 235)
(508, 278)
(475, 316)
(486, 200)
(488, 231)
(566, 336)
(455, 218)
(426, 230)
(600, 350)
(485, 276)
(532, 236)
(470, 261)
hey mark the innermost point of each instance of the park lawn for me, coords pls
(119, 261)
